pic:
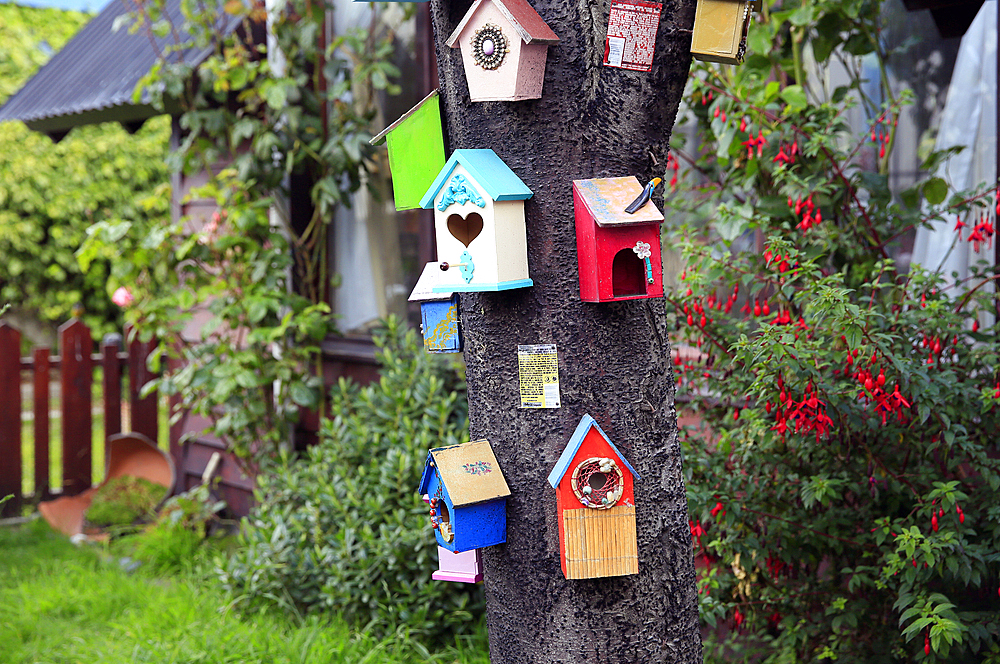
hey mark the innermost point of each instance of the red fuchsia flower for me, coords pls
(718, 508)
(757, 143)
(738, 617)
(122, 297)
(696, 531)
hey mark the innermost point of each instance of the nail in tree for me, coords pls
(591, 121)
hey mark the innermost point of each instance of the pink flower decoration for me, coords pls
(122, 297)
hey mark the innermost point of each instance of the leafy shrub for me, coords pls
(174, 541)
(343, 528)
(124, 500)
(845, 497)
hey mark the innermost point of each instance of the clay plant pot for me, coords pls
(130, 454)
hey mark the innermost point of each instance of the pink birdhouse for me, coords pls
(618, 253)
(504, 45)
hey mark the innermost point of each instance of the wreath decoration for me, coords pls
(598, 483)
(489, 46)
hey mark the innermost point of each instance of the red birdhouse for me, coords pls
(595, 506)
(618, 253)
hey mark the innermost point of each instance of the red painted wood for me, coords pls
(144, 418)
(112, 383)
(40, 406)
(76, 345)
(10, 419)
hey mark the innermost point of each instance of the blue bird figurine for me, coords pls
(647, 191)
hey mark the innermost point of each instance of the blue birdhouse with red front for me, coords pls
(618, 253)
(468, 494)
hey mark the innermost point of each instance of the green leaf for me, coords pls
(795, 97)
(935, 191)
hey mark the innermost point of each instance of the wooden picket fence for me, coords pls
(76, 368)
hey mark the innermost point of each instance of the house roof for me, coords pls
(93, 77)
(575, 441)
(526, 22)
(607, 198)
(469, 472)
(489, 172)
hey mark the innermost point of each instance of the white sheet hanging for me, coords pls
(968, 119)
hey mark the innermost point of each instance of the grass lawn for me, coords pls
(62, 604)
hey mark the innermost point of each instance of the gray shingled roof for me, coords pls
(93, 77)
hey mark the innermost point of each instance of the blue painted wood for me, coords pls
(441, 326)
(489, 172)
(478, 288)
(562, 465)
(474, 526)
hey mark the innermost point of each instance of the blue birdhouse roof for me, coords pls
(469, 472)
(489, 172)
(562, 465)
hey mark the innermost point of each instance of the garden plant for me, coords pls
(299, 114)
(844, 483)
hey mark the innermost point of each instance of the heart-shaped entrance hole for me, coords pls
(465, 229)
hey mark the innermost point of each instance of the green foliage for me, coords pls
(262, 277)
(51, 193)
(844, 487)
(124, 500)
(343, 529)
(173, 543)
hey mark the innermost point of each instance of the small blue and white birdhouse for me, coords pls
(479, 227)
(439, 314)
(468, 496)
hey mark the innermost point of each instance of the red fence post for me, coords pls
(112, 372)
(144, 411)
(75, 346)
(40, 406)
(10, 419)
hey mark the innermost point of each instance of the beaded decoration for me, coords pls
(598, 483)
(489, 46)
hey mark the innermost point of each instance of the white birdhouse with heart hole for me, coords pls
(478, 207)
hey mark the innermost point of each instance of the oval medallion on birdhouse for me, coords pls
(467, 493)
(618, 252)
(504, 45)
(595, 505)
(478, 207)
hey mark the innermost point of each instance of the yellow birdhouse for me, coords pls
(720, 30)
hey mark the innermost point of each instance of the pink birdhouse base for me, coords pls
(465, 567)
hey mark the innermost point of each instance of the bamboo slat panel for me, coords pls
(600, 542)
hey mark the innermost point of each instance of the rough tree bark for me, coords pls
(614, 359)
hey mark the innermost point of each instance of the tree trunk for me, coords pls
(614, 359)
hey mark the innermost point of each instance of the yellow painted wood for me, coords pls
(600, 543)
(719, 29)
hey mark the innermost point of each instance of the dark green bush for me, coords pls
(343, 528)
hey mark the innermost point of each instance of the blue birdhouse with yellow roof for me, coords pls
(468, 494)
(478, 205)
